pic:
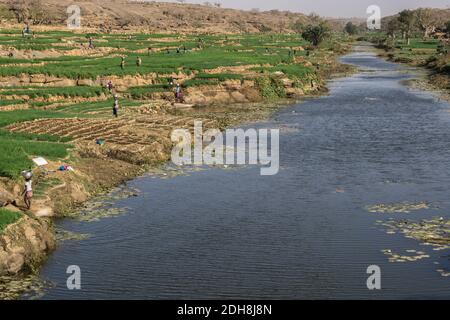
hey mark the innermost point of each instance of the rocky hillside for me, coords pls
(171, 17)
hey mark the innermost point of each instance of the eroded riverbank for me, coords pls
(360, 169)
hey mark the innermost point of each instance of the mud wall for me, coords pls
(25, 244)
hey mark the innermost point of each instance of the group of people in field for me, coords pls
(177, 92)
(176, 88)
(111, 90)
(27, 191)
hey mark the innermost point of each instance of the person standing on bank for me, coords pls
(116, 106)
(27, 192)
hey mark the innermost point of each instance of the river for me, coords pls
(302, 234)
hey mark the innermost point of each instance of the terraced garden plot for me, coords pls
(54, 116)
(32, 92)
(123, 131)
(215, 51)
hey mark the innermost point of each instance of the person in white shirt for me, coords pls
(28, 193)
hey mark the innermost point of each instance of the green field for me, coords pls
(7, 217)
(202, 52)
(419, 52)
(190, 55)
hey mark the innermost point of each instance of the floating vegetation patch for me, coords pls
(97, 214)
(404, 207)
(395, 181)
(65, 235)
(27, 287)
(443, 266)
(444, 272)
(434, 232)
(100, 207)
(410, 256)
(168, 172)
(117, 194)
(289, 128)
(172, 172)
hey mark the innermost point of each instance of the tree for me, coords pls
(20, 9)
(407, 19)
(392, 27)
(298, 26)
(351, 28)
(314, 18)
(425, 21)
(30, 10)
(38, 12)
(316, 34)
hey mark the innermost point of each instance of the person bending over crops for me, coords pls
(122, 63)
(138, 61)
(27, 192)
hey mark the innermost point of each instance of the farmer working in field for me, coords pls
(178, 94)
(116, 106)
(122, 63)
(91, 43)
(27, 192)
(138, 62)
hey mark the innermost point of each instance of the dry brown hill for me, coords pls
(169, 17)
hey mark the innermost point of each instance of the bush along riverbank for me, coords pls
(225, 80)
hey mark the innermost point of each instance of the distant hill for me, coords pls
(339, 23)
(158, 16)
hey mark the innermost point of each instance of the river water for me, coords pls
(302, 234)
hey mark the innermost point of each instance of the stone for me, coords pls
(238, 97)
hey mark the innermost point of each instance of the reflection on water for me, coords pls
(304, 233)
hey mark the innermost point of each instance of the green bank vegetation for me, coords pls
(7, 217)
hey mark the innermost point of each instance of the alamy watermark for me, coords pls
(232, 147)
(374, 280)
(74, 19)
(374, 20)
(74, 280)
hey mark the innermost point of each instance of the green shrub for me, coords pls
(270, 88)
